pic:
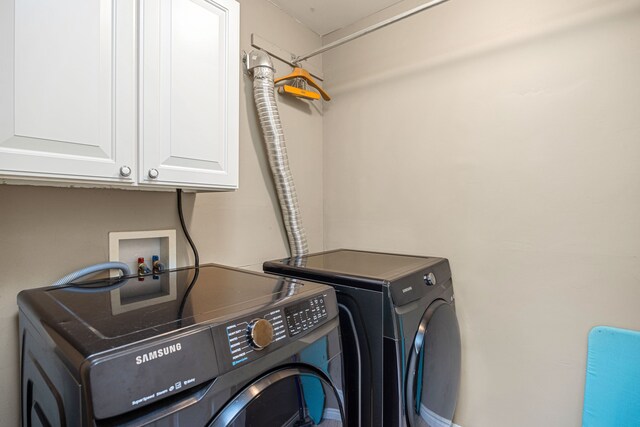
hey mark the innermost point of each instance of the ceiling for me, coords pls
(325, 16)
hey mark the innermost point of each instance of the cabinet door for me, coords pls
(67, 85)
(189, 99)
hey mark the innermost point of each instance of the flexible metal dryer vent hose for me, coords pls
(260, 65)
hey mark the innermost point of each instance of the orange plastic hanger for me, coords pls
(300, 73)
(299, 92)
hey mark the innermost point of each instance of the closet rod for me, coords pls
(368, 30)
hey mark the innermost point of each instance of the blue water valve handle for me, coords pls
(157, 266)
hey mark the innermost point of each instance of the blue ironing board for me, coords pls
(612, 389)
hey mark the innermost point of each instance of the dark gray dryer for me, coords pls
(400, 334)
(209, 346)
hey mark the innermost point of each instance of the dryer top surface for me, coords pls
(370, 270)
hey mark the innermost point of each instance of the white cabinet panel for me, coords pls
(62, 113)
(57, 96)
(189, 98)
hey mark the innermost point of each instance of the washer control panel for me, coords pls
(306, 314)
(249, 337)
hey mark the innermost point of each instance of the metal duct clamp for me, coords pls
(257, 58)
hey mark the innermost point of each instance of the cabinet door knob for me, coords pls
(153, 173)
(125, 171)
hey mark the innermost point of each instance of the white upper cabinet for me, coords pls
(189, 99)
(119, 93)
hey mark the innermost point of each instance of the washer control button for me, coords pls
(430, 279)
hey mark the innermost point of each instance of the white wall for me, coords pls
(505, 136)
(48, 232)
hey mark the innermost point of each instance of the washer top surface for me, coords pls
(110, 313)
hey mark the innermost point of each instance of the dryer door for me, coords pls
(433, 369)
(292, 396)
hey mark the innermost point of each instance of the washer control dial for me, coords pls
(260, 333)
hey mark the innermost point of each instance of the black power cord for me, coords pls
(195, 256)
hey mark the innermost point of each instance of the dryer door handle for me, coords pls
(415, 356)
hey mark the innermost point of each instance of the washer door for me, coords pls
(292, 396)
(433, 369)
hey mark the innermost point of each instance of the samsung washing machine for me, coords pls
(400, 334)
(211, 346)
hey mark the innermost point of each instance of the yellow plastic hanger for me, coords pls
(300, 73)
(299, 92)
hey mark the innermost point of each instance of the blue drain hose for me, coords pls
(124, 268)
